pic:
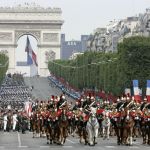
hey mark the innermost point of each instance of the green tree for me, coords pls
(3, 66)
(134, 60)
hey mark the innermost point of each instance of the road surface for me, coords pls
(19, 141)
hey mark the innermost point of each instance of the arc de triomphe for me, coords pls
(42, 23)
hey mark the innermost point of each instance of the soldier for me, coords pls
(19, 121)
(23, 123)
(76, 106)
(14, 120)
(143, 104)
(120, 103)
(5, 122)
(61, 101)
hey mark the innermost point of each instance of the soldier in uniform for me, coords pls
(14, 120)
(23, 123)
(143, 104)
(76, 106)
(120, 103)
(61, 101)
(18, 128)
(5, 122)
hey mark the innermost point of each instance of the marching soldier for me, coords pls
(5, 122)
(19, 121)
(14, 120)
(23, 123)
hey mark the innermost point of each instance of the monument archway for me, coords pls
(42, 23)
(23, 64)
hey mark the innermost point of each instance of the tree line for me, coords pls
(3, 66)
(111, 72)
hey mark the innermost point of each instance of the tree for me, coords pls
(3, 66)
(134, 60)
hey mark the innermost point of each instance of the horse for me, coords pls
(92, 128)
(70, 122)
(81, 122)
(36, 122)
(49, 130)
(63, 126)
(106, 127)
(137, 125)
(145, 128)
(128, 125)
(117, 122)
(100, 119)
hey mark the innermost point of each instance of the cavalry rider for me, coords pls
(144, 104)
(35, 106)
(92, 102)
(120, 103)
(62, 101)
(51, 103)
(14, 120)
(129, 103)
(5, 121)
(76, 106)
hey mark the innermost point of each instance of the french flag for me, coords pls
(28, 108)
(31, 56)
(148, 91)
(136, 91)
(34, 58)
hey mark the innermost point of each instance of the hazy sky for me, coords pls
(83, 16)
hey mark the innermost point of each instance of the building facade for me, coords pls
(42, 23)
(68, 48)
(106, 39)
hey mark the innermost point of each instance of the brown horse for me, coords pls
(63, 126)
(49, 130)
(128, 125)
(137, 119)
(117, 122)
(145, 128)
(36, 125)
(52, 129)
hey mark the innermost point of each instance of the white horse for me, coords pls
(106, 127)
(92, 129)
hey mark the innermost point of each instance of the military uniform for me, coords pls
(143, 105)
(18, 127)
(23, 124)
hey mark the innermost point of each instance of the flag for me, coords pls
(34, 58)
(136, 91)
(31, 56)
(28, 108)
(148, 90)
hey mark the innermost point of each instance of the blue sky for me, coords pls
(83, 16)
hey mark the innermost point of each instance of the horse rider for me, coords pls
(76, 106)
(143, 104)
(5, 121)
(14, 120)
(62, 101)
